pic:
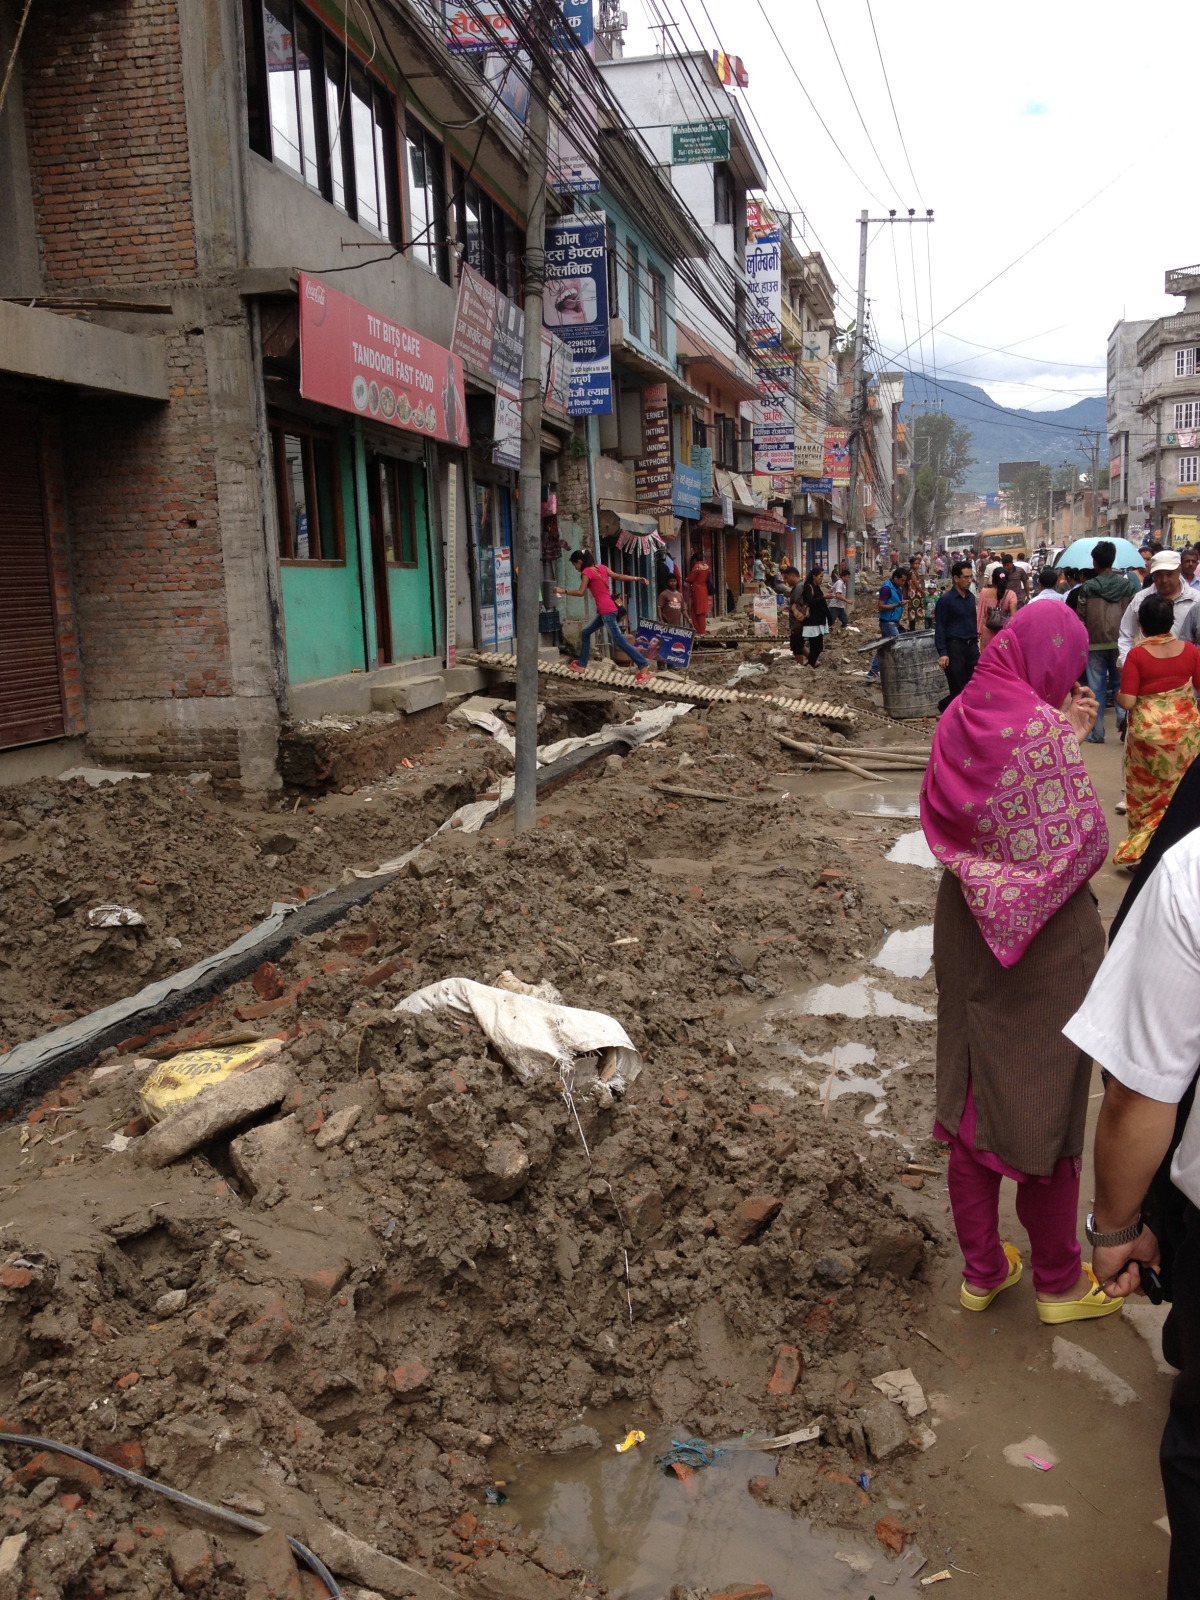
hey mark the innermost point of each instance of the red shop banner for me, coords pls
(356, 360)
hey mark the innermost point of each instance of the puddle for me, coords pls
(911, 850)
(907, 953)
(876, 802)
(861, 997)
(641, 1532)
(840, 1061)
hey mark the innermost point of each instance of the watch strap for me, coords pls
(1118, 1236)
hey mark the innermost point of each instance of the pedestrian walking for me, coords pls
(1103, 601)
(1016, 578)
(1166, 579)
(1147, 1152)
(797, 611)
(890, 605)
(1009, 810)
(837, 602)
(670, 603)
(956, 632)
(699, 596)
(816, 614)
(597, 580)
(914, 595)
(1047, 585)
(995, 606)
(1158, 691)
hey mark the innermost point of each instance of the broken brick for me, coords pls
(129, 1454)
(750, 1217)
(128, 1381)
(191, 1560)
(748, 1591)
(788, 1367)
(409, 1378)
(268, 985)
(49, 1464)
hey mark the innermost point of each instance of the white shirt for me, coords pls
(1185, 600)
(1049, 594)
(1141, 1018)
(839, 589)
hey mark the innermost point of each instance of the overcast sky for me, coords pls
(1014, 116)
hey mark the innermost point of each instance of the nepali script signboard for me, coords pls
(356, 360)
(576, 308)
(764, 278)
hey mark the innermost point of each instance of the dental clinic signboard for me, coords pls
(576, 308)
(356, 360)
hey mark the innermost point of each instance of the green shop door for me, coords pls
(401, 559)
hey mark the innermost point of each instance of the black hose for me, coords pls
(247, 1524)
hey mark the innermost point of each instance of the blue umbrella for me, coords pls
(1079, 554)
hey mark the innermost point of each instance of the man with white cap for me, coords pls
(1166, 580)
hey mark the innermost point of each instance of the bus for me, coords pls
(995, 541)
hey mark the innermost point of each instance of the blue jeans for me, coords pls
(887, 630)
(608, 619)
(1103, 679)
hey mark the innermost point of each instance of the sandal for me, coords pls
(1095, 1303)
(980, 1302)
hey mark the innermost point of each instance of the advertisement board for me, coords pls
(577, 308)
(774, 416)
(702, 460)
(766, 616)
(764, 278)
(837, 456)
(655, 473)
(356, 360)
(700, 141)
(685, 491)
(674, 644)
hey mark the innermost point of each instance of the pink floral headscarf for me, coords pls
(1007, 804)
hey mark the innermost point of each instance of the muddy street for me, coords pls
(406, 1310)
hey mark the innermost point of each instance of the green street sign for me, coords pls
(700, 141)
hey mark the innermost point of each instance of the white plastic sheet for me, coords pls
(533, 1036)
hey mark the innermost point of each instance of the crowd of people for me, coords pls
(1029, 999)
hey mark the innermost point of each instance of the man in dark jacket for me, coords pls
(1102, 602)
(955, 632)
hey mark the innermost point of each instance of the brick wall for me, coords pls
(107, 137)
(54, 489)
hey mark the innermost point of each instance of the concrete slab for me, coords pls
(413, 694)
(464, 680)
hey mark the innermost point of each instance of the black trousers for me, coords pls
(962, 654)
(1179, 1456)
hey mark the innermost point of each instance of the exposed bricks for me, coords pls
(107, 136)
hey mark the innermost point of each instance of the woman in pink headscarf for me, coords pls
(1009, 809)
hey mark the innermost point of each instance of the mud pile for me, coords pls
(338, 1311)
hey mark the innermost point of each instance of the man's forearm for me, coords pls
(1132, 1136)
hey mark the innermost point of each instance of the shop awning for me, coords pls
(59, 349)
(638, 525)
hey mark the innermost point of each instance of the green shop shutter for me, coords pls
(31, 700)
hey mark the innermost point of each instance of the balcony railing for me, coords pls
(1182, 280)
(1169, 330)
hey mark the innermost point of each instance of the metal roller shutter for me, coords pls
(31, 701)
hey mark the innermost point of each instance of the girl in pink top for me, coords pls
(596, 579)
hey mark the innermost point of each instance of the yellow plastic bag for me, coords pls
(181, 1079)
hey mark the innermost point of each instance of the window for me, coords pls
(491, 241)
(1189, 469)
(635, 289)
(428, 236)
(307, 493)
(658, 311)
(1185, 363)
(745, 458)
(610, 263)
(699, 433)
(397, 510)
(1187, 415)
(724, 442)
(722, 193)
(318, 115)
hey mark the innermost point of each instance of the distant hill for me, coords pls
(1001, 433)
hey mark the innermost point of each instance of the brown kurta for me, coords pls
(1000, 1028)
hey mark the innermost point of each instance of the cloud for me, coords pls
(1035, 108)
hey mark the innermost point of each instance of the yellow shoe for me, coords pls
(1095, 1303)
(980, 1302)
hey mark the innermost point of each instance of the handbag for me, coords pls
(995, 617)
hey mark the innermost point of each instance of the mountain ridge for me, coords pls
(1006, 433)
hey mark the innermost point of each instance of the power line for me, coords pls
(854, 99)
(892, 103)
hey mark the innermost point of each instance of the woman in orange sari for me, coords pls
(699, 599)
(1158, 684)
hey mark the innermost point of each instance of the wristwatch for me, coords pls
(1106, 1241)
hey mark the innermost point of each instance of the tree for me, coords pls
(941, 452)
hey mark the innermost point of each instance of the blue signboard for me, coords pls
(685, 491)
(816, 485)
(577, 14)
(674, 644)
(576, 308)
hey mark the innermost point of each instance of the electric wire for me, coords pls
(892, 102)
(854, 99)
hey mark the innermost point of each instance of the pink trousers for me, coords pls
(1048, 1209)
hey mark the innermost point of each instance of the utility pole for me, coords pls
(529, 524)
(858, 403)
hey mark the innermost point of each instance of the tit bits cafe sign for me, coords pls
(356, 360)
